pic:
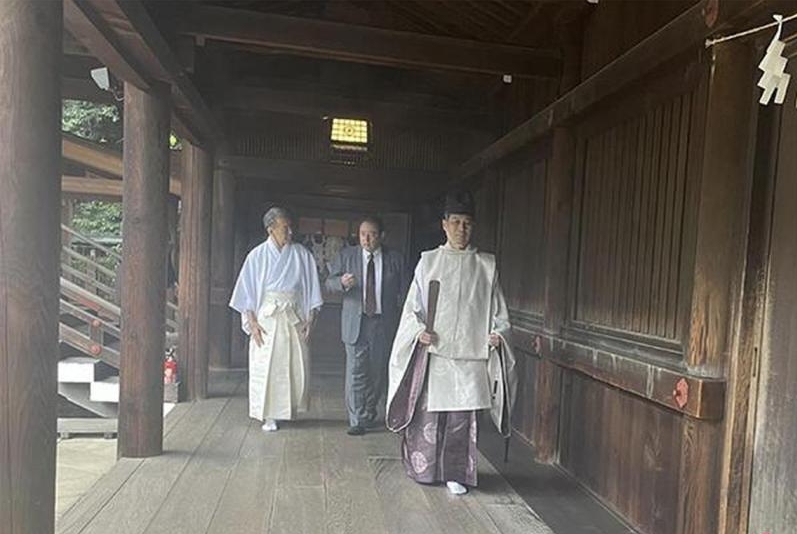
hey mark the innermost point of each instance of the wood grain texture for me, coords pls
(629, 260)
(142, 274)
(636, 478)
(772, 496)
(522, 245)
(195, 228)
(30, 64)
(723, 195)
(221, 267)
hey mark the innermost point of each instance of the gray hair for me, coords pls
(273, 214)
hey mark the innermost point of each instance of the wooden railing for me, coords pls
(87, 273)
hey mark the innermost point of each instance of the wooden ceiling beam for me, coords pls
(121, 34)
(190, 108)
(103, 160)
(97, 36)
(321, 104)
(103, 187)
(84, 89)
(363, 44)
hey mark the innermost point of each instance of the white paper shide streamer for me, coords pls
(774, 80)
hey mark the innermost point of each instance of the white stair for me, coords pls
(106, 390)
(79, 370)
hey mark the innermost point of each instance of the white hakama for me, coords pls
(281, 287)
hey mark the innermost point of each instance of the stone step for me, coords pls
(69, 426)
(82, 370)
(79, 394)
(105, 390)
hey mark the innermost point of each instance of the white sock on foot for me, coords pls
(455, 488)
(270, 425)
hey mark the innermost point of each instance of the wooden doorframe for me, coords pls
(743, 377)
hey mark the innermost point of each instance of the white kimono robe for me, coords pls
(281, 287)
(464, 372)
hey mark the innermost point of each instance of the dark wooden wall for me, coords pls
(522, 239)
(634, 205)
(644, 178)
(636, 469)
(615, 26)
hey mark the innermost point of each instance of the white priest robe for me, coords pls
(281, 287)
(464, 372)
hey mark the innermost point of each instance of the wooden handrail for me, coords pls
(90, 281)
(92, 320)
(88, 346)
(110, 252)
(90, 300)
(81, 257)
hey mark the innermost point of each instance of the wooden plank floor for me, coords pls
(221, 474)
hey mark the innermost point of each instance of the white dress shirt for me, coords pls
(378, 277)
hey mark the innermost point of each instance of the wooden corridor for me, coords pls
(221, 474)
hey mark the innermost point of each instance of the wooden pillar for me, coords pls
(239, 353)
(558, 209)
(221, 264)
(195, 221)
(721, 222)
(30, 177)
(67, 214)
(143, 270)
(558, 212)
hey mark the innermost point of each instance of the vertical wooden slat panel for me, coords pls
(630, 221)
(625, 259)
(650, 226)
(644, 208)
(668, 234)
(660, 204)
(679, 219)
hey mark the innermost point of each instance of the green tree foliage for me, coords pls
(101, 123)
(98, 219)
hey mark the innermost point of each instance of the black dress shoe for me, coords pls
(355, 430)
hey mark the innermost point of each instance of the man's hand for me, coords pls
(305, 330)
(257, 333)
(494, 339)
(348, 280)
(256, 330)
(427, 338)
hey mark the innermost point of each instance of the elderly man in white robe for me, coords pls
(440, 378)
(278, 295)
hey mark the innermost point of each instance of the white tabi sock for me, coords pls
(270, 426)
(455, 488)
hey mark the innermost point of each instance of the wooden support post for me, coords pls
(30, 177)
(558, 209)
(239, 352)
(173, 221)
(67, 214)
(721, 222)
(221, 266)
(558, 213)
(194, 275)
(143, 270)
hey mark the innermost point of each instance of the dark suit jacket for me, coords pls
(394, 286)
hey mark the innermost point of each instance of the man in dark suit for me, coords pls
(373, 280)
